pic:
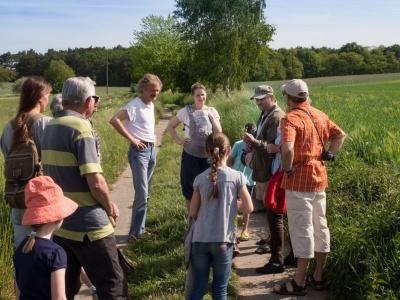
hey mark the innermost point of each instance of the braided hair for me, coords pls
(33, 88)
(217, 145)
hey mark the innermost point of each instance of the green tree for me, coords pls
(157, 48)
(7, 75)
(227, 38)
(56, 73)
(293, 66)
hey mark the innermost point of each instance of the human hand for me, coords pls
(139, 144)
(248, 138)
(186, 141)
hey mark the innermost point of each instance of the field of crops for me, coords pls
(363, 197)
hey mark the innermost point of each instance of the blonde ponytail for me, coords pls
(29, 243)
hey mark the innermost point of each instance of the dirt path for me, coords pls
(254, 286)
(122, 193)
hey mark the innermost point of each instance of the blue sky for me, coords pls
(44, 24)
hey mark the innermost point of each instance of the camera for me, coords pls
(327, 156)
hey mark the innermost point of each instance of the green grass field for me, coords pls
(363, 197)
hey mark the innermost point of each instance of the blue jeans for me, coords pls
(204, 256)
(142, 164)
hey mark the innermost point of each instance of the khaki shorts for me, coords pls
(308, 226)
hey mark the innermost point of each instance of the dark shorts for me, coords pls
(100, 261)
(191, 166)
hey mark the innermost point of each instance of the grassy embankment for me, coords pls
(363, 198)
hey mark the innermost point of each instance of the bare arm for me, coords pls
(195, 204)
(287, 155)
(173, 123)
(216, 125)
(99, 190)
(117, 122)
(246, 205)
(57, 282)
(337, 143)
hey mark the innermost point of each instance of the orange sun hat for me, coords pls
(45, 202)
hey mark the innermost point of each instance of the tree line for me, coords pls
(221, 44)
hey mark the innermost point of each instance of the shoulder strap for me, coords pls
(263, 122)
(31, 120)
(312, 120)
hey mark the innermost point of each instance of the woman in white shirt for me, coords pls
(199, 121)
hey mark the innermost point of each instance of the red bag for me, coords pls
(275, 196)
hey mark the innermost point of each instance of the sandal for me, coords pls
(316, 285)
(244, 236)
(297, 290)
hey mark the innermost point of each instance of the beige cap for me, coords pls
(296, 88)
(262, 91)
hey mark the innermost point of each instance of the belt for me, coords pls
(148, 144)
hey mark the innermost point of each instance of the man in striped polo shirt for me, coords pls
(305, 133)
(69, 156)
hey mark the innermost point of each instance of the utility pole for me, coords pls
(107, 71)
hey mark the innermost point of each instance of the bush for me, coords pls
(56, 73)
(16, 88)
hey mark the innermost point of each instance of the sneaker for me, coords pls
(271, 268)
(263, 249)
(244, 236)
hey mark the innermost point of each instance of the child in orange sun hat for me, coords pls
(40, 263)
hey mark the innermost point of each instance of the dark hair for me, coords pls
(197, 86)
(32, 90)
(217, 145)
(250, 128)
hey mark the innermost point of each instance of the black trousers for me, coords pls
(100, 261)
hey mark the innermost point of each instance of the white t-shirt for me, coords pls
(198, 115)
(141, 120)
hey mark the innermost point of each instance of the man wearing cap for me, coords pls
(306, 131)
(69, 156)
(264, 150)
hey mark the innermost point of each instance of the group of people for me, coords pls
(281, 159)
(68, 224)
(66, 227)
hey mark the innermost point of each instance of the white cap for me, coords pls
(296, 88)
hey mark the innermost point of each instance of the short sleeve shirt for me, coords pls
(183, 116)
(236, 153)
(141, 121)
(69, 153)
(215, 219)
(309, 170)
(33, 270)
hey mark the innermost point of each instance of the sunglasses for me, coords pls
(96, 99)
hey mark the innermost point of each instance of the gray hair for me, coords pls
(56, 104)
(76, 90)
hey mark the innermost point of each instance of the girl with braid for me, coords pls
(214, 207)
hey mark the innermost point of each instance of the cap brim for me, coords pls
(283, 87)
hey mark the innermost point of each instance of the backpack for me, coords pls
(21, 164)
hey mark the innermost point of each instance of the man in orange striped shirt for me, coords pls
(305, 133)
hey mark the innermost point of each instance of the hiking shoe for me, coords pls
(271, 268)
(244, 236)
